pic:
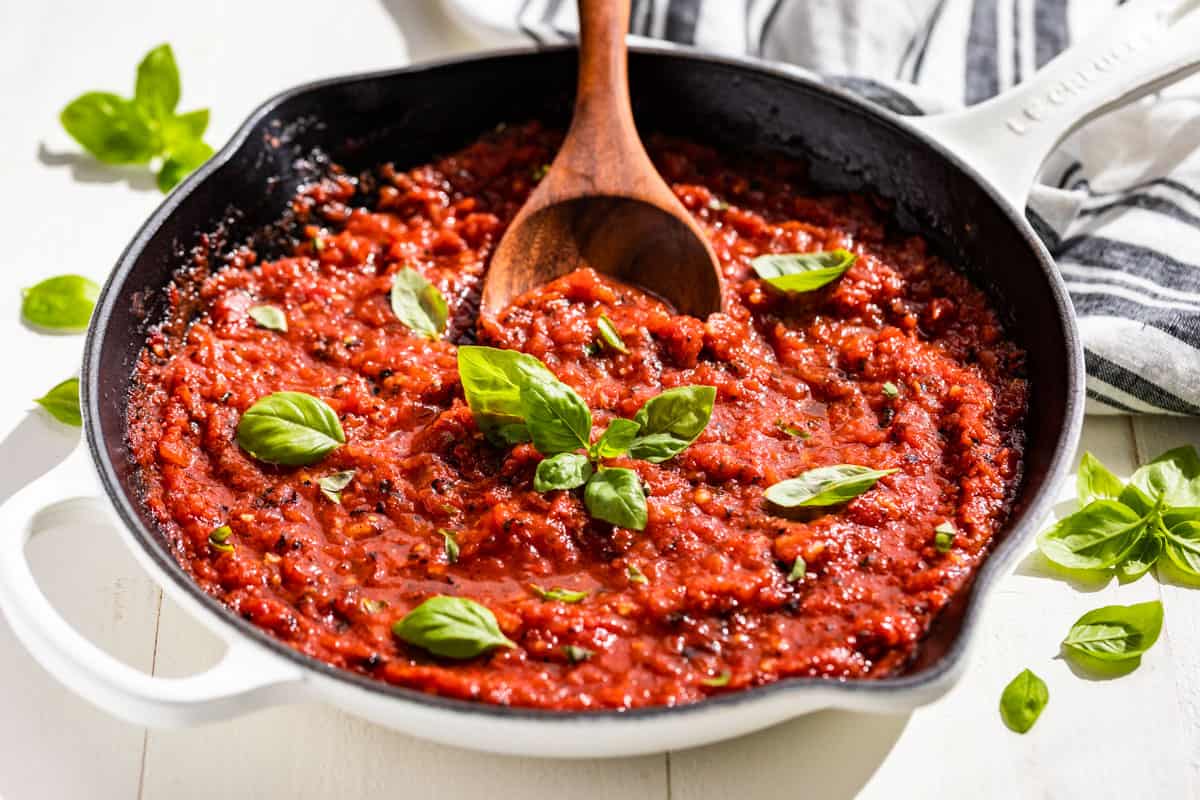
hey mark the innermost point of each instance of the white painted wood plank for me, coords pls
(958, 747)
(1181, 626)
(314, 752)
(52, 743)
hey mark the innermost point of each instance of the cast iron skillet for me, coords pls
(410, 115)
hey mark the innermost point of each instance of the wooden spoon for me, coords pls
(602, 204)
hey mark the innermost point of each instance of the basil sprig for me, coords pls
(119, 130)
(452, 627)
(1128, 527)
(1115, 633)
(515, 398)
(824, 486)
(418, 304)
(62, 304)
(803, 272)
(1023, 700)
(62, 402)
(291, 428)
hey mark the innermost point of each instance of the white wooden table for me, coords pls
(1137, 736)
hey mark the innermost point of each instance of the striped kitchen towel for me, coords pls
(1118, 205)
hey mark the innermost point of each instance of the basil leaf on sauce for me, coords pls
(561, 595)
(1022, 701)
(824, 486)
(492, 380)
(157, 88)
(576, 654)
(269, 317)
(609, 334)
(332, 485)
(557, 418)
(615, 495)
(452, 627)
(616, 439)
(1182, 545)
(290, 428)
(803, 272)
(562, 471)
(1174, 477)
(943, 537)
(671, 421)
(449, 545)
(1095, 482)
(218, 539)
(112, 129)
(799, 570)
(62, 304)
(62, 402)
(635, 575)
(1115, 633)
(418, 304)
(1097, 537)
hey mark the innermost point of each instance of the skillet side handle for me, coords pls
(1139, 49)
(245, 679)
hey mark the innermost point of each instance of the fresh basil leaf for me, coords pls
(616, 439)
(269, 317)
(671, 421)
(1095, 482)
(1182, 543)
(803, 272)
(418, 304)
(562, 471)
(62, 402)
(492, 381)
(1141, 557)
(332, 485)
(112, 129)
(824, 486)
(1116, 633)
(157, 89)
(62, 304)
(1173, 516)
(557, 418)
(1134, 498)
(183, 159)
(452, 627)
(1096, 537)
(561, 595)
(718, 681)
(799, 570)
(1022, 701)
(289, 428)
(615, 495)
(183, 128)
(450, 545)
(609, 334)
(1174, 475)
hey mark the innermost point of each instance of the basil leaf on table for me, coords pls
(616, 439)
(418, 304)
(824, 486)
(62, 402)
(269, 317)
(1097, 537)
(562, 471)
(669, 422)
(157, 88)
(1116, 633)
(1182, 545)
(110, 128)
(452, 627)
(1174, 476)
(1022, 701)
(609, 335)
(62, 304)
(1141, 557)
(332, 485)
(615, 495)
(1095, 481)
(181, 160)
(291, 428)
(561, 595)
(803, 272)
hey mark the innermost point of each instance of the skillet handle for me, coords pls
(1139, 49)
(246, 678)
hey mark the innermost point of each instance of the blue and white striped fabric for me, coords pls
(1118, 205)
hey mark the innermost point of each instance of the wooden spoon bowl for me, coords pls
(602, 204)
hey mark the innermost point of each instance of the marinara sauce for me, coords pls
(899, 364)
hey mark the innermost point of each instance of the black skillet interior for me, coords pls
(408, 116)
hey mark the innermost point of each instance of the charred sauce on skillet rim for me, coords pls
(1026, 513)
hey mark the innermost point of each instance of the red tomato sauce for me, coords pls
(800, 382)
